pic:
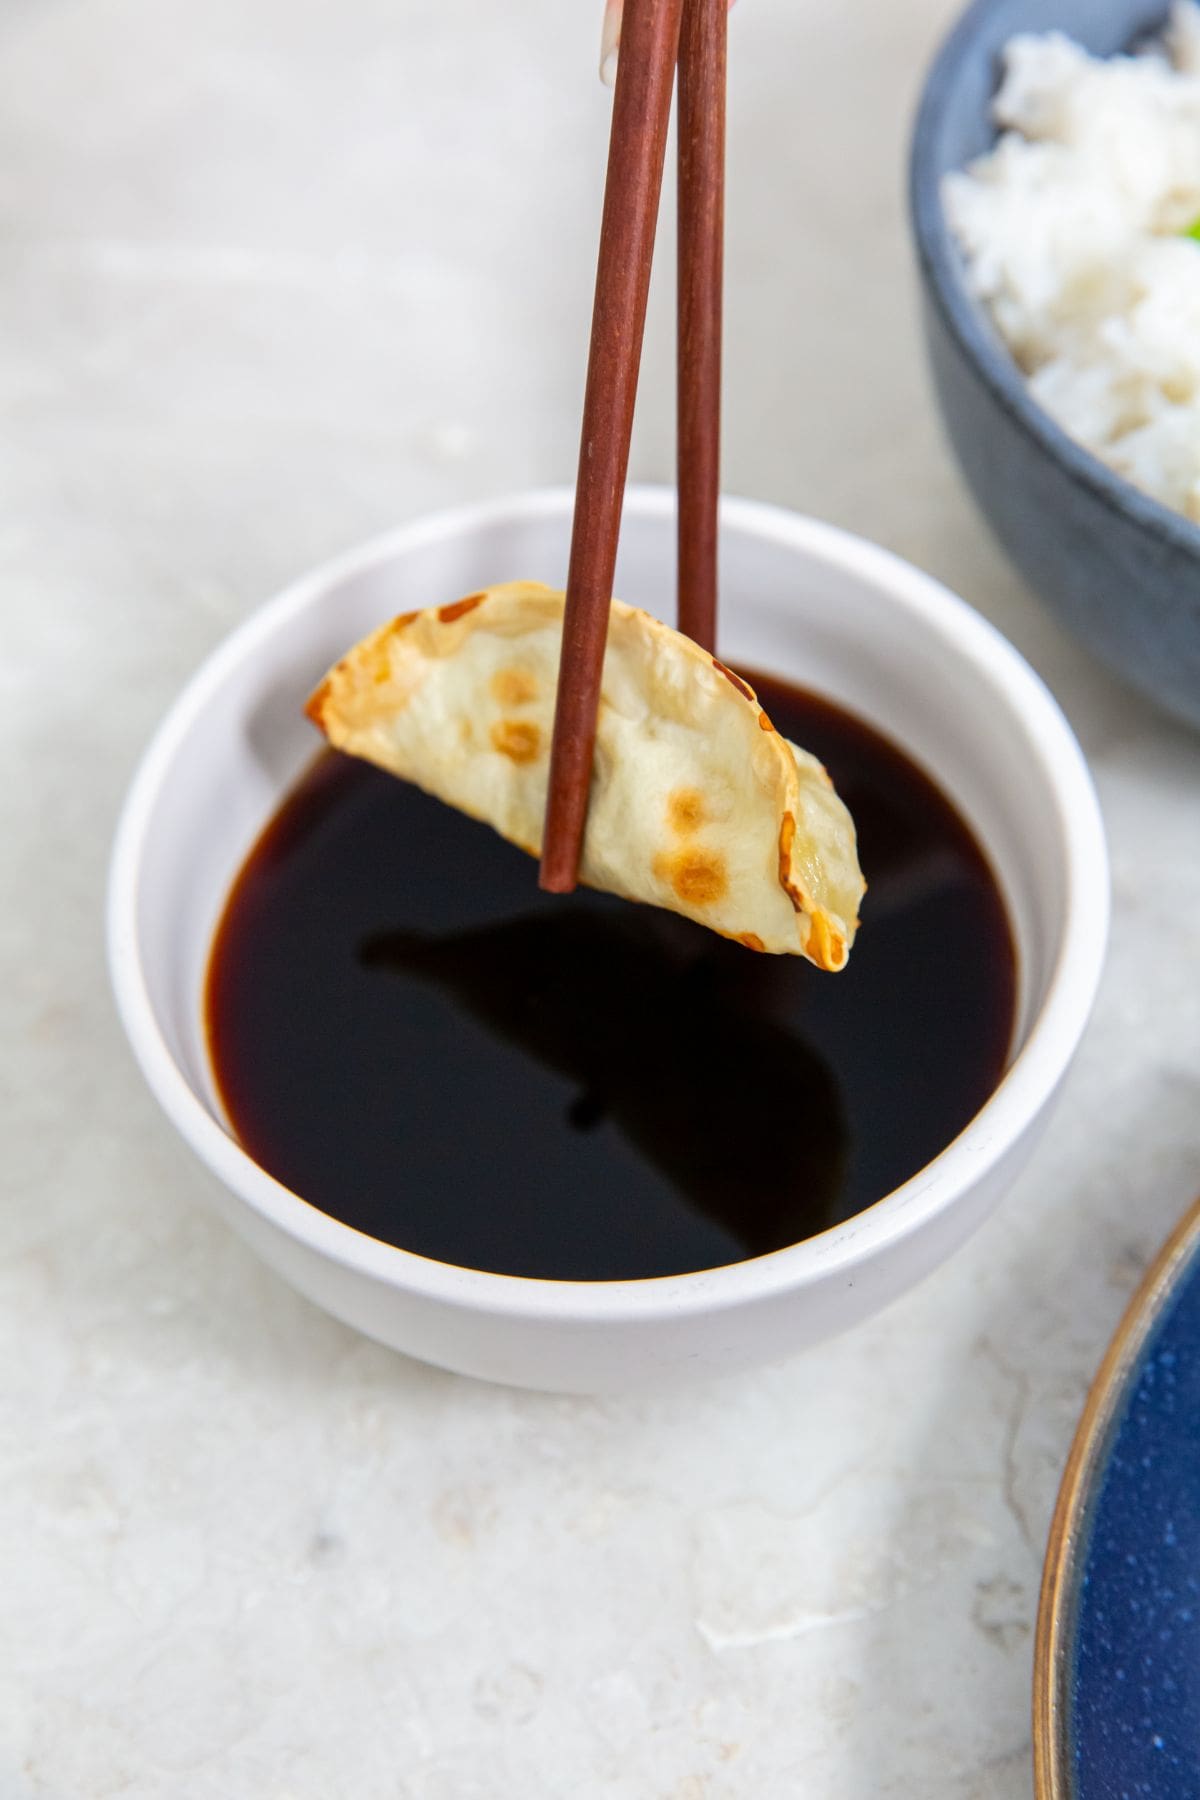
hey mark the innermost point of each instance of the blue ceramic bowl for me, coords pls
(1120, 569)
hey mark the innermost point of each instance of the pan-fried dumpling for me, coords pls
(697, 803)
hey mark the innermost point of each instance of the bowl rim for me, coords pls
(965, 319)
(833, 1255)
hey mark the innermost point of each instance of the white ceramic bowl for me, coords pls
(811, 603)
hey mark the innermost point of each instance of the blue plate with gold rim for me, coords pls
(1117, 1663)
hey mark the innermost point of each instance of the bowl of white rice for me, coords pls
(1055, 186)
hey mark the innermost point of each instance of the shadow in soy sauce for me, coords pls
(674, 1047)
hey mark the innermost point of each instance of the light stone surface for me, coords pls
(272, 278)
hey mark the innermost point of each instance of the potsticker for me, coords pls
(696, 804)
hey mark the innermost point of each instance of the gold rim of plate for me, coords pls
(1051, 1751)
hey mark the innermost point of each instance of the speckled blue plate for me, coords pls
(1117, 1669)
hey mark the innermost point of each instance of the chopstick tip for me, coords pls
(555, 881)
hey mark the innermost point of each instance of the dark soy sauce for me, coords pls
(409, 1035)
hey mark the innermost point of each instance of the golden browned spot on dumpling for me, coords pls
(518, 739)
(514, 687)
(402, 620)
(457, 608)
(751, 940)
(764, 724)
(743, 687)
(315, 705)
(787, 837)
(826, 945)
(697, 876)
(685, 810)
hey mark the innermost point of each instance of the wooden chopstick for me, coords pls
(637, 149)
(701, 127)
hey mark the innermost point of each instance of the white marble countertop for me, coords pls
(273, 277)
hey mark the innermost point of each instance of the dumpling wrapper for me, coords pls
(697, 804)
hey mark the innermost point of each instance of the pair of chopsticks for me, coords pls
(657, 35)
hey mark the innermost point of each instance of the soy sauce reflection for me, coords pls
(671, 1047)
